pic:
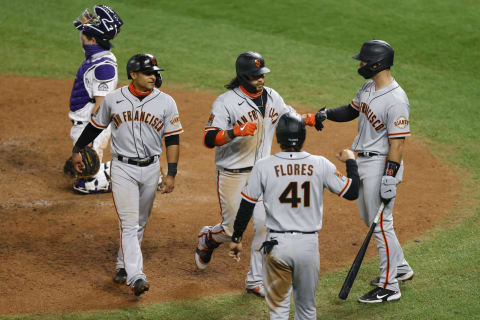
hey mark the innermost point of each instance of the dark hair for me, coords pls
(291, 148)
(235, 82)
(105, 44)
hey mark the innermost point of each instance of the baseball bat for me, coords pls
(352, 273)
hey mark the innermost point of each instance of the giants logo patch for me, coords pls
(258, 63)
(175, 120)
(401, 122)
(210, 119)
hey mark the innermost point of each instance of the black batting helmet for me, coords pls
(291, 130)
(379, 56)
(144, 62)
(249, 64)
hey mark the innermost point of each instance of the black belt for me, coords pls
(140, 163)
(76, 122)
(241, 170)
(368, 154)
(292, 231)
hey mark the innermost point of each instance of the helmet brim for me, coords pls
(357, 57)
(261, 71)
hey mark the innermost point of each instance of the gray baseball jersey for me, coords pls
(235, 108)
(383, 114)
(138, 125)
(292, 185)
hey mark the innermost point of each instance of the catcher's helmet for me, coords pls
(379, 56)
(291, 130)
(104, 25)
(144, 62)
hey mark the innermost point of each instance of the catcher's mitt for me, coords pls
(90, 159)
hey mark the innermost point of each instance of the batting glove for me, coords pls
(388, 188)
(319, 118)
(309, 119)
(247, 129)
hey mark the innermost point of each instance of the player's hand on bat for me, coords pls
(168, 184)
(77, 162)
(235, 249)
(247, 129)
(345, 155)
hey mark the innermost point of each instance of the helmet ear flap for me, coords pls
(158, 81)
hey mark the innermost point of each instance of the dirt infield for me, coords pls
(57, 249)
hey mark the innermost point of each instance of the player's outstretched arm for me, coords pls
(348, 157)
(339, 114)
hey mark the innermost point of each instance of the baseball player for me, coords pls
(241, 128)
(383, 111)
(291, 183)
(140, 115)
(96, 77)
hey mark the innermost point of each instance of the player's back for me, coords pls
(292, 185)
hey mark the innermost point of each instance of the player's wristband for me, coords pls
(230, 134)
(172, 169)
(391, 168)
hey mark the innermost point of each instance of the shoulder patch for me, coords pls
(103, 87)
(175, 120)
(401, 122)
(105, 72)
(210, 119)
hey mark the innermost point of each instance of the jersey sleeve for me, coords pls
(355, 103)
(397, 123)
(334, 180)
(102, 118)
(172, 120)
(219, 117)
(253, 189)
(104, 80)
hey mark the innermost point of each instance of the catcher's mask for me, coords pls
(104, 25)
(377, 54)
(250, 64)
(145, 62)
(291, 131)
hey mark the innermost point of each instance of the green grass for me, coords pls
(308, 46)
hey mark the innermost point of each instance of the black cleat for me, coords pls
(120, 276)
(379, 295)
(140, 287)
(401, 277)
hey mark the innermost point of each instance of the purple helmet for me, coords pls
(103, 25)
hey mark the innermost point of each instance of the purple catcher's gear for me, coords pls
(105, 24)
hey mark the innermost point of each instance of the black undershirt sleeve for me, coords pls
(352, 173)
(342, 114)
(244, 215)
(88, 135)
(209, 139)
(172, 140)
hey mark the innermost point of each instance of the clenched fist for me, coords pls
(247, 129)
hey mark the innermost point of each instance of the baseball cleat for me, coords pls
(204, 255)
(379, 295)
(120, 276)
(140, 286)
(401, 277)
(91, 186)
(258, 291)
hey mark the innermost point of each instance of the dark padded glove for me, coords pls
(90, 159)
(319, 118)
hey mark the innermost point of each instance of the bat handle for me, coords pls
(379, 213)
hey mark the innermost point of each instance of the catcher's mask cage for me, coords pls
(250, 64)
(104, 25)
(378, 55)
(291, 131)
(145, 62)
